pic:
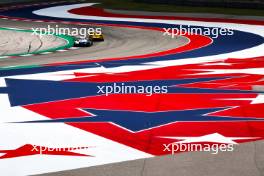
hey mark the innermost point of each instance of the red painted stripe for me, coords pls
(92, 11)
(141, 140)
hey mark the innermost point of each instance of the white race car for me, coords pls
(82, 42)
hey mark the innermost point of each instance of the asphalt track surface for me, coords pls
(247, 160)
(17, 42)
(119, 42)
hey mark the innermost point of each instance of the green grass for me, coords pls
(131, 5)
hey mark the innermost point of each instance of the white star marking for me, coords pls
(253, 71)
(215, 138)
(257, 100)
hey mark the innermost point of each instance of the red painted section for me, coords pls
(183, 72)
(237, 105)
(92, 11)
(29, 150)
(166, 102)
(147, 140)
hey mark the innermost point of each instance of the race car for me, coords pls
(96, 37)
(83, 42)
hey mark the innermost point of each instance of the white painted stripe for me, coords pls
(25, 55)
(13, 28)
(46, 53)
(3, 57)
(73, 48)
(9, 67)
(2, 82)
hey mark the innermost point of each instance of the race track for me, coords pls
(120, 42)
(18, 42)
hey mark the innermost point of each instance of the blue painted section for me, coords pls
(25, 92)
